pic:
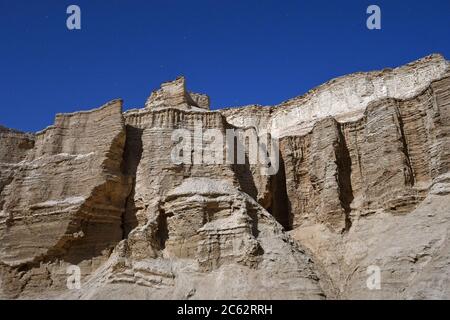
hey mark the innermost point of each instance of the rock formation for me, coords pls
(362, 181)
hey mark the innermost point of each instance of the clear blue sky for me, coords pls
(238, 52)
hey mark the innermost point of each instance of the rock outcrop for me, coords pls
(355, 175)
(64, 201)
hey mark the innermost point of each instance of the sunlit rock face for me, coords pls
(173, 94)
(362, 184)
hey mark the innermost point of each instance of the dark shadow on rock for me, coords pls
(132, 157)
(344, 176)
(280, 207)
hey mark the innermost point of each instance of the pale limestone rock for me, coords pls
(211, 241)
(173, 94)
(363, 181)
(344, 98)
(412, 252)
(65, 200)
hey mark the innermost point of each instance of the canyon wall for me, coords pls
(362, 181)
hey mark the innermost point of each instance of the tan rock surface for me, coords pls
(363, 181)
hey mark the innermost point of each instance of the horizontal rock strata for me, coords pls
(362, 181)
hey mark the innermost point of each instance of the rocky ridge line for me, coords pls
(361, 156)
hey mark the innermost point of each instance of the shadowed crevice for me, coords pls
(131, 158)
(344, 175)
(280, 206)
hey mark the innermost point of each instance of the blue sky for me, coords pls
(238, 52)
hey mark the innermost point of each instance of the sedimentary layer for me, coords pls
(361, 180)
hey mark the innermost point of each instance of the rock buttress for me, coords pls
(64, 202)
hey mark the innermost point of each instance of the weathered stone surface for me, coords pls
(317, 176)
(208, 241)
(64, 202)
(412, 252)
(15, 145)
(363, 181)
(173, 94)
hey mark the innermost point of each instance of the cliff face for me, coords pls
(64, 200)
(362, 180)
